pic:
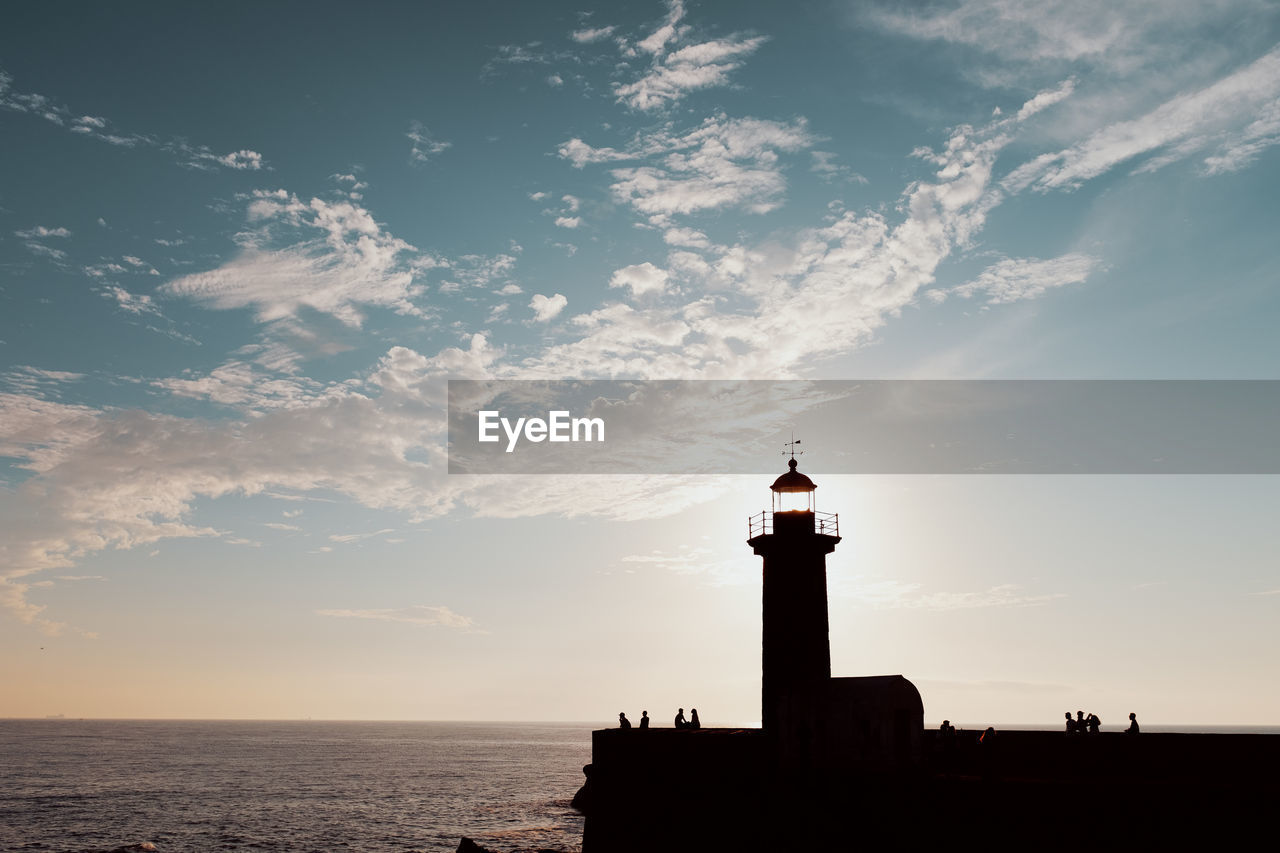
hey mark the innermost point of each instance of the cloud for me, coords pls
(820, 292)
(41, 231)
(825, 166)
(96, 127)
(31, 238)
(722, 163)
(329, 257)
(425, 146)
(1116, 36)
(686, 237)
(592, 34)
(642, 279)
(34, 380)
(1046, 99)
(418, 614)
(103, 479)
(666, 31)
(241, 385)
(892, 594)
(348, 538)
(673, 74)
(242, 159)
(479, 271)
(547, 307)
(568, 221)
(713, 568)
(130, 303)
(580, 154)
(1236, 117)
(1014, 279)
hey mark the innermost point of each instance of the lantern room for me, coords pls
(793, 491)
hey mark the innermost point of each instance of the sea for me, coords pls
(92, 786)
(411, 787)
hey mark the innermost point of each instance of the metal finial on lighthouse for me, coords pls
(791, 450)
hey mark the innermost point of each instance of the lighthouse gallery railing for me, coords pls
(827, 523)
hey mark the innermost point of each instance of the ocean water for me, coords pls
(94, 785)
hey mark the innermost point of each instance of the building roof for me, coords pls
(793, 480)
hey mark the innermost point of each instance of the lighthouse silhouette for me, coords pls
(817, 734)
(794, 540)
(816, 722)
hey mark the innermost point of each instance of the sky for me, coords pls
(243, 247)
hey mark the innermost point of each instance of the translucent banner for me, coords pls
(865, 427)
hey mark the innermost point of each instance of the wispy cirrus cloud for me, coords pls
(33, 239)
(419, 614)
(676, 69)
(424, 146)
(96, 127)
(1119, 37)
(1227, 122)
(1015, 279)
(28, 379)
(349, 538)
(891, 595)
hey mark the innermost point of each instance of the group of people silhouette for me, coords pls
(1090, 724)
(681, 723)
(1082, 724)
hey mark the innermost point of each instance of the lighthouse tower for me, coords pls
(794, 539)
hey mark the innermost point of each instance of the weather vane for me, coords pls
(791, 447)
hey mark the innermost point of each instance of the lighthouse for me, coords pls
(815, 723)
(794, 539)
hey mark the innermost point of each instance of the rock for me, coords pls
(582, 800)
(469, 846)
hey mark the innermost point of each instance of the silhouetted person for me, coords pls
(947, 739)
(644, 719)
(1071, 724)
(987, 753)
(680, 721)
(1094, 724)
(694, 722)
(1133, 724)
(623, 722)
(1082, 725)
